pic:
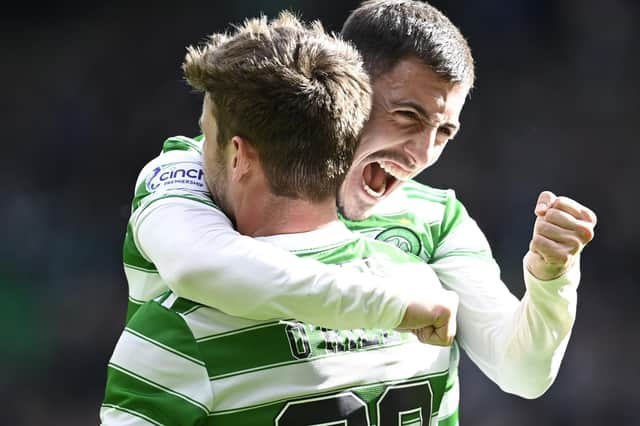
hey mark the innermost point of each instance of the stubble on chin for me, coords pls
(353, 209)
(216, 183)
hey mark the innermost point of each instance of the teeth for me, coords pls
(373, 193)
(395, 171)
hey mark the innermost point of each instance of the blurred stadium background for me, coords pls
(91, 91)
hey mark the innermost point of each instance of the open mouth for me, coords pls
(381, 176)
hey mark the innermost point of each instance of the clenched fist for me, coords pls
(431, 310)
(433, 320)
(562, 228)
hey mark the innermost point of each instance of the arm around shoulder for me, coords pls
(202, 258)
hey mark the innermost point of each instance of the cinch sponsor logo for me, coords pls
(189, 175)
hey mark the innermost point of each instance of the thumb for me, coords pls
(545, 201)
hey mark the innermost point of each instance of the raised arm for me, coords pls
(519, 344)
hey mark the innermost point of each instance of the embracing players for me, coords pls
(421, 70)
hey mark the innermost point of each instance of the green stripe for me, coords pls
(421, 197)
(434, 230)
(153, 401)
(133, 413)
(132, 308)
(361, 249)
(236, 352)
(234, 331)
(426, 193)
(138, 268)
(424, 199)
(132, 257)
(339, 254)
(223, 358)
(414, 185)
(194, 308)
(452, 420)
(164, 296)
(166, 329)
(454, 215)
(483, 254)
(181, 143)
(184, 306)
(416, 193)
(163, 388)
(139, 194)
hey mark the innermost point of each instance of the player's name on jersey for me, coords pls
(306, 340)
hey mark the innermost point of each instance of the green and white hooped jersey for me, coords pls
(517, 343)
(429, 223)
(176, 172)
(426, 222)
(181, 363)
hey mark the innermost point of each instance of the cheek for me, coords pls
(437, 152)
(377, 131)
(395, 132)
(209, 158)
(379, 139)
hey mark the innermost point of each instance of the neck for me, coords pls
(272, 215)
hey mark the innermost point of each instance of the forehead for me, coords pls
(411, 81)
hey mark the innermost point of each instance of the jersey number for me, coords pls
(399, 405)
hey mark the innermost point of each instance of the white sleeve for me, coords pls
(201, 258)
(517, 344)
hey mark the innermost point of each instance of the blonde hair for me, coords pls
(299, 95)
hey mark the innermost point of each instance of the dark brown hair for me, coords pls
(297, 94)
(386, 31)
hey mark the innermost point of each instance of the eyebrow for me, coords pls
(424, 115)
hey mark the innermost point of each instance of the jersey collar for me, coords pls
(333, 234)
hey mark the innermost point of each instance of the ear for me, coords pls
(244, 158)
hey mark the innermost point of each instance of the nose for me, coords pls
(420, 148)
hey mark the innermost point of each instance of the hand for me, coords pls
(562, 228)
(433, 318)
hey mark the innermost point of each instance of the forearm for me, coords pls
(536, 343)
(203, 259)
(517, 344)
